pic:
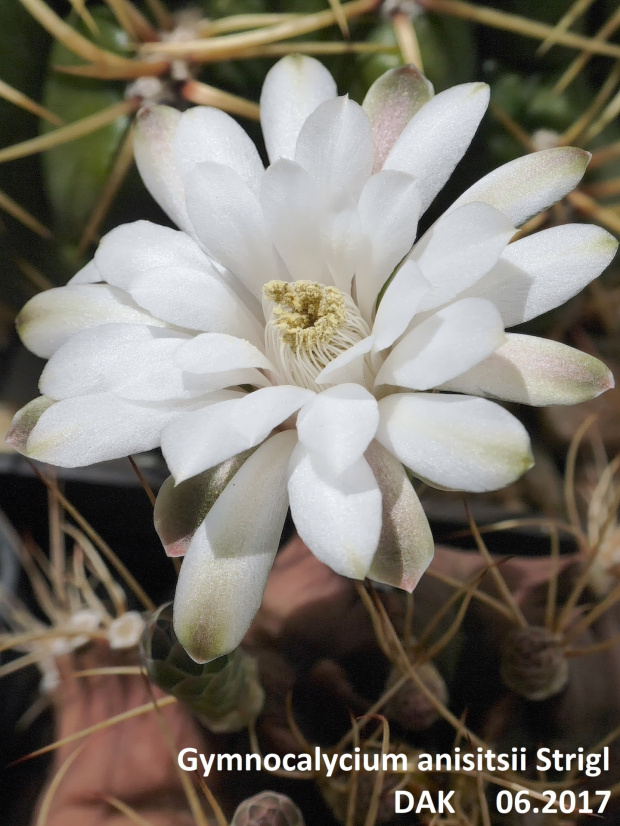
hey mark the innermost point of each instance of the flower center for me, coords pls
(308, 326)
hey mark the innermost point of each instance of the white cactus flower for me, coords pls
(261, 348)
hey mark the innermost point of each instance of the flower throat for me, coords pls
(308, 326)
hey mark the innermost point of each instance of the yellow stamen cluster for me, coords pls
(306, 313)
(307, 326)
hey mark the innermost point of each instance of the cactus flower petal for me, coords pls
(406, 544)
(429, 147)
(231, 554)
(390, 103)
(292, 90)
(535, 371)
(455, 441)
(511, 190)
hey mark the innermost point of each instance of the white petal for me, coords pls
(229, 221)
(542, 271)
(399, 305)
(444, 345)
(338, 517)
(210, 436)
(535, 371)
(206, 383)
(225, 570)
(458, 442)
(293, 88)
(406, 545)
(88, 429)
(391, 102)
(201, 440)
(348, 366)
(153, 150)
(528, 185)
(389, 208)
(207, 134)
(335, 148)
(338, 425)
(436, 137)
(197, 300)
(215, 352)
(52, 317)
(128, 251)
(259, 412)
(459, 249)
(181, 509)
(134, 362)
(89, 274)
(345, 245)
(114, 356)
(293, 210)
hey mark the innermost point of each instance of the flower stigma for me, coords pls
(308, 326)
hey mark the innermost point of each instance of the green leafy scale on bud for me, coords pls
(225, 693)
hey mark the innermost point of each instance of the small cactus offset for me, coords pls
(409, 707)
(267, 809)
(225, 694)
(533, 663)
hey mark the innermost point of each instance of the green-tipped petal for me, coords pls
(391, 102)
(457, 442)
(406, 544)
(25, 421)
(96, 428)
(52, 317)
(528, 185)
(225, 569)
(541, 271)
(180, 509)
(535, 371)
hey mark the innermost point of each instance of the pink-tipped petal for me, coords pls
(390, 103)
(406, 544)
(535, 371)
